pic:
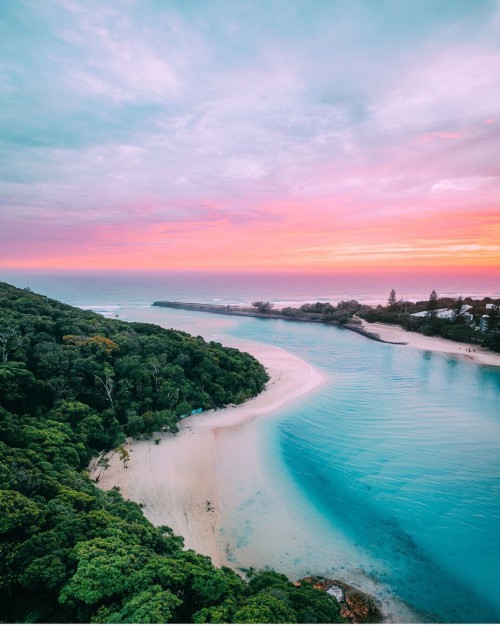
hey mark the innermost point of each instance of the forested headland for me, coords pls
(72, 384)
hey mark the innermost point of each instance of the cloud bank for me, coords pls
(263, 134)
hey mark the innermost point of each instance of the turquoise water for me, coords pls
(396, 454)
(400, 450)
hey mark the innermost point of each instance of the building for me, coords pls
(448, 313)
(483, 324)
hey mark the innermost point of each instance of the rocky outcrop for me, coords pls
(355, 605)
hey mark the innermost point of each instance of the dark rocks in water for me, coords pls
(355, 605)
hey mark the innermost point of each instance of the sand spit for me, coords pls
(174, 477)
(396, 334)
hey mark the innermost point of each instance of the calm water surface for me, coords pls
(400, 451)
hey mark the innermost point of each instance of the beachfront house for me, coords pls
(448, 313)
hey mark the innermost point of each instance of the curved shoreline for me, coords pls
(468, 351)
(193, 482)
(175, 479)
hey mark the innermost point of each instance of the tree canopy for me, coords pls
(392, 300)
(73, 383)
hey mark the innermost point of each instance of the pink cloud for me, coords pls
(432, 136)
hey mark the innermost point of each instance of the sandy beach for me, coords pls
(175, 480)
(472, 352)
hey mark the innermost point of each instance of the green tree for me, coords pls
(492, 341)
(104, 569)
(494, 317)
(154, 605)
(392, 301)
(457, 311)
(18, 514)
(263, 307)
(265, 608)
(9, 338)
(432, 304)
(47, 573)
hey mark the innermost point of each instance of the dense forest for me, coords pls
(73, 383)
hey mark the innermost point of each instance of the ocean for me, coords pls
(387, 475)
(142, 288)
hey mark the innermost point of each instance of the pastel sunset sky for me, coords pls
(231, 134)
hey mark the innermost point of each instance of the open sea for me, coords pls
(388, 474)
